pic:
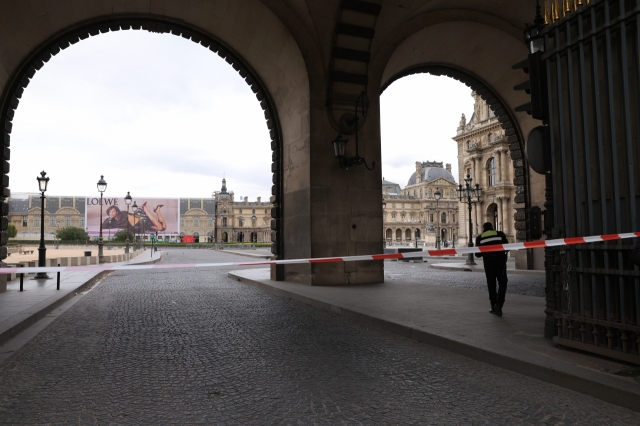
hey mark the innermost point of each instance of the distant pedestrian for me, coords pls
(495, 266)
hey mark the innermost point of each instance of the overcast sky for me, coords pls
(161, 116)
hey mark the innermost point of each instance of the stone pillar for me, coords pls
(508, 167)
(499, 165)
(506, 221)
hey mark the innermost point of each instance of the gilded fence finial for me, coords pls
(545, 12)
(567, 7)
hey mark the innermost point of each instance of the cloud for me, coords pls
(161, 116)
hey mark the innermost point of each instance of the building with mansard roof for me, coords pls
(220, 218)
(415, 215)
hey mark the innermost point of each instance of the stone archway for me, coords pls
(507, 122)
(492, 215)
(155, 24)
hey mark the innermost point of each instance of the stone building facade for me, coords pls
(483, 153)
(414, 215)
(219, 218)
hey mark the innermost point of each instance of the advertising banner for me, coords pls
(161, 215)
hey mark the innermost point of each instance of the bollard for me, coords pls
(21, 281)
(58, 276)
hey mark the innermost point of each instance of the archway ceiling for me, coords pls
(257, 34)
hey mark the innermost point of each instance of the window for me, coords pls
(430, 193)
(468, 144)
(393, 215)
(443, 218)
(451, 194)
(36, 221)
(196, 222)
(265, 211)
(210, 221)
(181, 220)
(224, 221)
(67, 221)
(421, 194)
(254, 211)
(468, 172)
(453, 217)
(82, 221)
(491, 171)
(431, 217)
(52, 221)
(240, 211)
(25, 220)
(490, 137)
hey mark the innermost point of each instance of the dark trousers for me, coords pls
(496, 270)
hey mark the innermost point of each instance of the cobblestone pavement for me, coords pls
(525, 285)
(195, 347)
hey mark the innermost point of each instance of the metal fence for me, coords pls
(592, 61)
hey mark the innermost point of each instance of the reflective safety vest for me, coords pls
(488, 238)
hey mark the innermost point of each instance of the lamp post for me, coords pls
(134, 207)
(57, 224)
(144, 232)
(127, 201)
(43, 181)
(102, 186)
(438, 195)
(384, 237)
(466, 195)
(109, 238)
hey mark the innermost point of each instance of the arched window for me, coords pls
(389, 234)
(491, 171)
(399, 234)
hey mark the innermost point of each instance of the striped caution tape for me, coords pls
(445, 252)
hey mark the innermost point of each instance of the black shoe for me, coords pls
(496, 310)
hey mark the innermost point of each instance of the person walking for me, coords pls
(495, 266)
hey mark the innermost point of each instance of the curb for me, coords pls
(44, 308)
(255, 256)
(442, 267)
(627, 398)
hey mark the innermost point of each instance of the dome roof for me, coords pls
(429, 174)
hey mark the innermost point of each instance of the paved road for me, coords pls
(525, 285)
(185, 347)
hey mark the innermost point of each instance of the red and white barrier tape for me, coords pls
(445, 252)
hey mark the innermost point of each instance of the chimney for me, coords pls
(246, 199)
(448, 167)
(259, 198)
(418, 172)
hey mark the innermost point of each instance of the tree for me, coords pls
(121, 236)
(71, 233)
(12, 231)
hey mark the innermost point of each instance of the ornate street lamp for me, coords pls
(340, 144)
(102, 186)
(466, 195)
(134, 207)
(127, 201)
(43, 181)
(57, 225)
(438, 195)
(144, 232)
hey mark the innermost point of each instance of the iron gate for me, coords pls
(592, 62)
